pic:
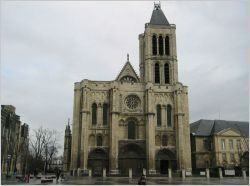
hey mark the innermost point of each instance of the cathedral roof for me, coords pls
(210, 127)
(158, 17)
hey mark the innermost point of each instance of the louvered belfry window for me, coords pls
(157, 73)
(94, 113)
(167, 46)
(154, 45)
(161, 45)
(166, 73)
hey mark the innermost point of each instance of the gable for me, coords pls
(229, 132)
(127, 74)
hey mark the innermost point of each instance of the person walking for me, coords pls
(58, 172)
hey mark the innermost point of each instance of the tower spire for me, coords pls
(127, 57)
(68, 121)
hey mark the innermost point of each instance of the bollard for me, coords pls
(90, 172)
(144, 172)
(220, 173)
(244, 174)
(183, 173)
(104, 172)
(130, 173)
(207, 173)
(78, 172)
(169, 173)
(74, 172)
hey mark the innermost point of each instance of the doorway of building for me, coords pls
(165, 159)
(98, 159)
(132, 156)
(163, 166)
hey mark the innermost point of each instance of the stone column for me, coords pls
(169, 173)
(150, 131)
(75, 128)
(183, 173)
(130, 173)
(113, 150)
(144, 172)
(244, 174)
(104, 172)
(157, 44)
(220, 173)
(90, 172)
(207, 173)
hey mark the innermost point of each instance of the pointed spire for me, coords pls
(158, 17)
(127, 57)
(68, 121)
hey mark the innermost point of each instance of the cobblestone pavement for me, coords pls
(127, 181)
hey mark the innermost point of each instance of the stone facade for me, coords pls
(14, 141)
(222, 144)
(139, 122)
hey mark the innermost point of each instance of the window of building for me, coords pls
(224, 157)
(205, 144)
(231, 144)
(157, 73)
(223, 145)
(154, 45)
(158, 114)
(167, 46)
(99, 140)
(164, 140)
(131, 130)
(94, 113)
(232, 157)
(166, 73)
(161, 45)
(169, 115)
(105, 114)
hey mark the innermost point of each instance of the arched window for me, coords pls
(169, 115)
(105, 114)
(161, 45)
(158, 114)
(154, 45)
(94, 113)
(167, 45)
(157, 73)
(131, 130)
(166, 73)
(99, 140)
(164, 140)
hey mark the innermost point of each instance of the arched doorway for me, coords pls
(165, 159)
(97, 160)
(132, 156)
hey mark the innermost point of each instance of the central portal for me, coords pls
(132, 156)
(164, 166)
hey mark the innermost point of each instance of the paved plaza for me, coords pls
(133, 181)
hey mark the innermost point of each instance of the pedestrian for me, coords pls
(142, 180)
(58, 172)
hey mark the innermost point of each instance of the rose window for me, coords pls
(132, 102)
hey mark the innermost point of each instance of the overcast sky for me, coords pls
(47, 46)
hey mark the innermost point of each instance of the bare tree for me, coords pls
(43, 147)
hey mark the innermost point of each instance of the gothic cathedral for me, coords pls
(135, 122)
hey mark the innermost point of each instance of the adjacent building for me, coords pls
(14, 141)
(67, 148)
(135, 121)
(219, 143)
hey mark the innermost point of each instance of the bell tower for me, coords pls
(157, 50)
